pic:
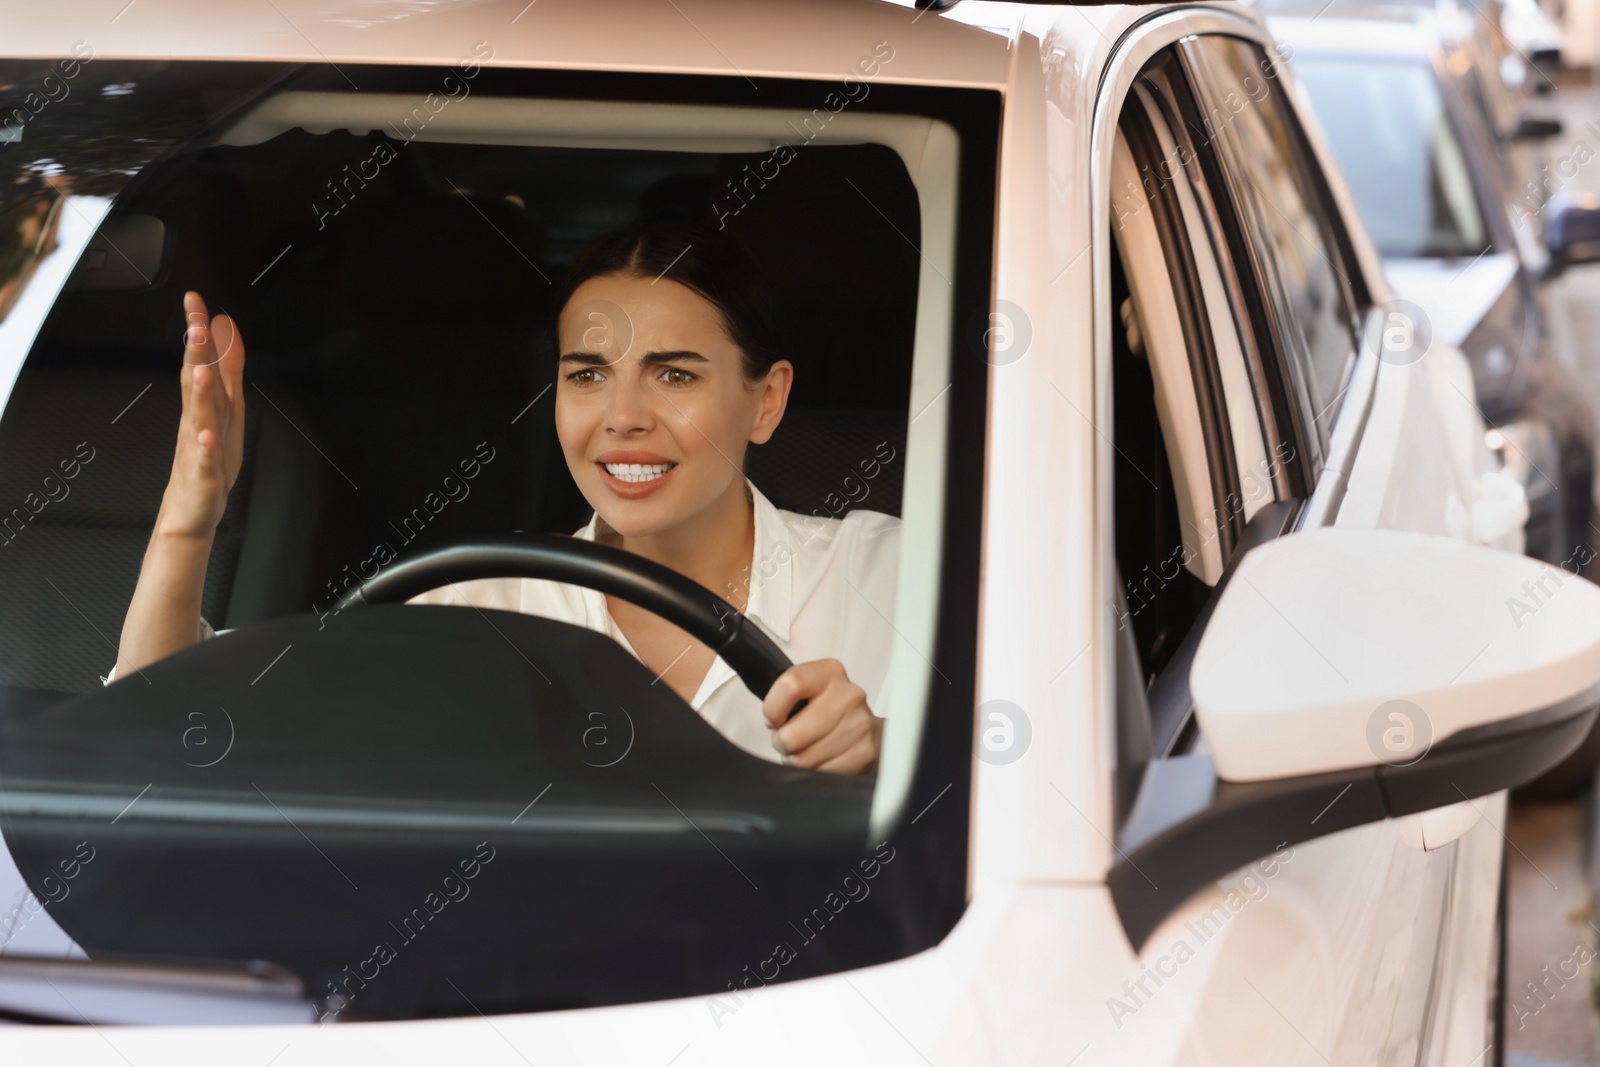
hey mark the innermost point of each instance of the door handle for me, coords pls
(1499, 510)
(1437, 827)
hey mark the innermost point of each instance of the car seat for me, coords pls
(67, 571)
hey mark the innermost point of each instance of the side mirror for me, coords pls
(128, 252)
(1572, 233)
(1321, 631)
(1348, 676)
(1534, 129)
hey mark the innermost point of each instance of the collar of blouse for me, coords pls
(771, 571)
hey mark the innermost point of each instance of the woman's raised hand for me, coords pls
(211, 431)
(164, 614)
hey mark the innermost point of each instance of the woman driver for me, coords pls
(669, 368)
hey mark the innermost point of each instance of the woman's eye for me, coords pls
(676, 376)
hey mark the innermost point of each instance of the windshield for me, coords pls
(1388, 127)
(313, 777)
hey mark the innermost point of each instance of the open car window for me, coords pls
(389, 254)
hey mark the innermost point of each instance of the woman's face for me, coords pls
(652, 406)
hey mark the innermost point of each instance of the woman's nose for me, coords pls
(629, 410)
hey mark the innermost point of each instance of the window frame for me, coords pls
(1170, 812)
(1283, 405)
(1165, 709)
(928, 889)
(1200, 368)
(1315, 427)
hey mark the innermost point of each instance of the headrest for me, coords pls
(829, 461)
(442, 258)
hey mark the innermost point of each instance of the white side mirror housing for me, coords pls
(1396, 673)
(1334, 649)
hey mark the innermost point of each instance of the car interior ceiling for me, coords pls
(389, 338)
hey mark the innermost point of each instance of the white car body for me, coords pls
(1370, 945)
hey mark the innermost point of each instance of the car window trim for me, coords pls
(1316, 428)
(1268, 364)
(1205, 372)
(938, 845)
(1130, 54)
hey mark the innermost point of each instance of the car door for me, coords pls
(1333, 944)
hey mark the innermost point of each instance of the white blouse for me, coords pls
(821, 588)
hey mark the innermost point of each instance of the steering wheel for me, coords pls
(681, 601)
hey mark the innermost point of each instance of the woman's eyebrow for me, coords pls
(587, 359)
(594, 359)
(682, 356)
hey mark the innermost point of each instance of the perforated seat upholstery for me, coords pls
(828, 461)
(67, 570)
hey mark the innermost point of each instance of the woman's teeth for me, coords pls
(638, 472)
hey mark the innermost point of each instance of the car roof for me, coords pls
(817, 39)
(968, 46)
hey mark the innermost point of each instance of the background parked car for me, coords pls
(1534, 38)
(1392, 94)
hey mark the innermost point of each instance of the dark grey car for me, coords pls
(1393, 94)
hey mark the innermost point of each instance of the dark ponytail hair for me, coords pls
(705, 260)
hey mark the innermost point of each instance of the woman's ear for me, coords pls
(774, 399)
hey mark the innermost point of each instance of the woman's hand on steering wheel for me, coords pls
(835, 731)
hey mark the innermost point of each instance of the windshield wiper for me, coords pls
(38, 989)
